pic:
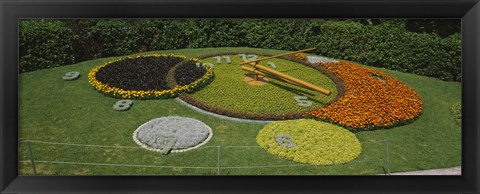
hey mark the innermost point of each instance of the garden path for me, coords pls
(443, 171)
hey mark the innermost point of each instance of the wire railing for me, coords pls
(219, 165)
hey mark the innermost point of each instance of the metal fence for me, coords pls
(220, 155)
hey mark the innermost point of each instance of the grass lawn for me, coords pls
(53, 110)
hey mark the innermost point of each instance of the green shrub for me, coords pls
(389, 45)
(457, 113)
(115, 37)
(383, 43)
(45, 44)
(173, 34)
(340, 39)
(216, 33)
(85, 48)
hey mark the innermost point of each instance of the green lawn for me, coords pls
(53, 110)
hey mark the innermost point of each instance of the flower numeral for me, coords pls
(203, 65)
(122, 105)
(73, 75)
(303, 101)
(249, 57)
(219, 59)
(284, 140)
(272, 65)
(165, 143)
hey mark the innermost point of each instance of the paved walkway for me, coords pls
(444, 171)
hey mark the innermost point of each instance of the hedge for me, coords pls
(45, 44)
(387, 43)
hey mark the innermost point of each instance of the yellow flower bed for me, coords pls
(140, 94)
(317, 143)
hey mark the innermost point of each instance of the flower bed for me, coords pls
(172, 134)
(300, 56)
(369, 102)
(145, 76)
(311, 142)
(229, 95)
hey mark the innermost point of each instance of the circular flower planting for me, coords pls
(230, 95)
(309, 142)
(172, 134)
(371, 99)
(145, 76)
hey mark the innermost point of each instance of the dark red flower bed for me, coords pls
(147, 73)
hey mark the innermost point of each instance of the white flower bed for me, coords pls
(189, 134)
(314, 59)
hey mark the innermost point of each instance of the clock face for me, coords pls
(236, 91)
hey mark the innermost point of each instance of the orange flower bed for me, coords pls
(299, 56)
(371, 99)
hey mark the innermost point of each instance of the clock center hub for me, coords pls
(250, 79)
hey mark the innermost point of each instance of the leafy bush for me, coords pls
(84, 46)
(383, 43)
(116, 37)
(390, 46)
(45, 44)
(457, 113)
(317, 143)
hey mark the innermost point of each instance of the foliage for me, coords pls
(384, 43)
(443, 28)
(317, 143)
(371, 100)
(142, 77)
(45, 44)
(390, 46)
(457, 113)
(116, 37)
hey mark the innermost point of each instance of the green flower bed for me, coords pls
(230, 95)
(317, 143)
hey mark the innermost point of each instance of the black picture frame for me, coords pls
(11, 11)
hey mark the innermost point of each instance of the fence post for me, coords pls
(388, 158)
(32, 160)
(218, 161)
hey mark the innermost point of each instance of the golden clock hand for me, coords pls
(275, 56)
(287, 77)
